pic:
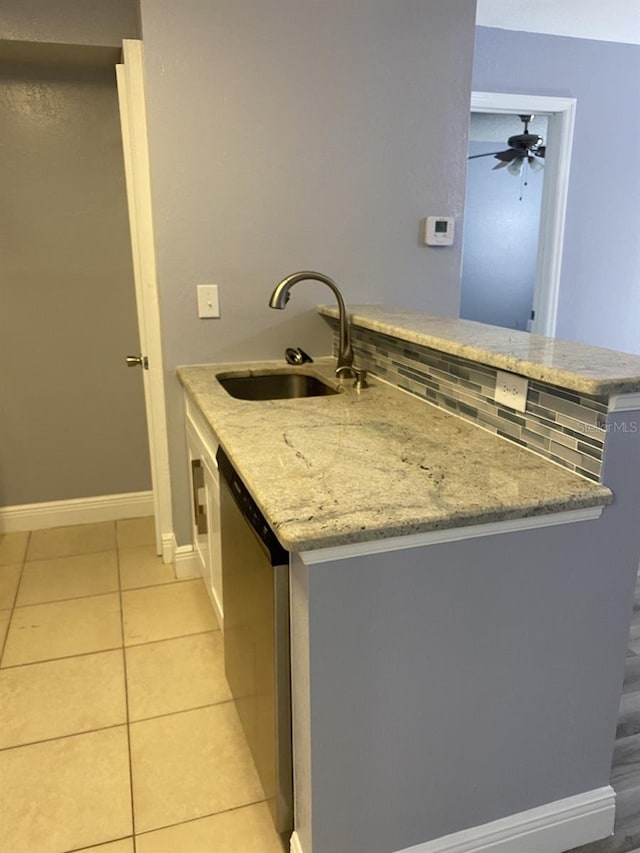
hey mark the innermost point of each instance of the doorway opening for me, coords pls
(72, 438)
(543, 199)
(502, 222)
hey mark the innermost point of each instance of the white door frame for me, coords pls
(130, 79)
(561, 113)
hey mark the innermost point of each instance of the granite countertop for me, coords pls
(578, 367)
(355, 467)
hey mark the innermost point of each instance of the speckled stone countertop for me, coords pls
(578, 367)
(333, 470)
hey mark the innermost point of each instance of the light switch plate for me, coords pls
(511, 390)
(208, 300)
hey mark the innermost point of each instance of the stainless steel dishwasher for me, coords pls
(255, 592)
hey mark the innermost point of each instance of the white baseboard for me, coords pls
(168, 541)
(185, 561)
(552, 828)
(37, 516)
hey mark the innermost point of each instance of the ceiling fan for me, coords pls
(523, 148)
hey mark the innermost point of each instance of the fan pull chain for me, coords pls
(523, 178)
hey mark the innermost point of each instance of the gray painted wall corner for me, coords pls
(269, 155)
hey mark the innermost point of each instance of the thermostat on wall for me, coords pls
(438, 230)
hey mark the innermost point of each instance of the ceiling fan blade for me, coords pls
(475, 156)
(540, 151)
(510, 154)
(501, 165)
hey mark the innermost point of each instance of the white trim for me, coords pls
(294, 844)
(184, 558)
(561, 112)
(552, 828)
(453, 534)
(131, 95)
(624, 402)
(76, 511)
(169, 547)
(512, 102)
(186, 562)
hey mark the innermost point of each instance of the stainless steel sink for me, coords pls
(284, 385)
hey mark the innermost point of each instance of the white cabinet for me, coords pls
(205, 504)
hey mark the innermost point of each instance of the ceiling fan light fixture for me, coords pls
(523, 148)
(515, 166)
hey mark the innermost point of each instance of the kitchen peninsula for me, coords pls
(460, 600)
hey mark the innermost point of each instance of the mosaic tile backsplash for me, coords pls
(566, 427)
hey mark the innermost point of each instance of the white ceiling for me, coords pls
(604, 20)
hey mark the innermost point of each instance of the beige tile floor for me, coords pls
(117, 732)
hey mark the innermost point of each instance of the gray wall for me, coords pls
(87, 22)
(501, 224)
(289, 134)
(73, 421)
(599, 296)
(449, 686)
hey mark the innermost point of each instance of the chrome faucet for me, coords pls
(280, 297)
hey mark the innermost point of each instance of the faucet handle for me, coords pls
(361, 379)
(359, 375)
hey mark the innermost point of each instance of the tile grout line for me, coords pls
(101, 844)
(200, 817)
(177, 637)
(106, 592)
(62, 737)
(15, 598)
(171, 639)
(111, 649)
(65, 600)
(126, 701)
(62, 657)
(65, 556)
(182, 711)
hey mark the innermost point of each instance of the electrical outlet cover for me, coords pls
(511, 390)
